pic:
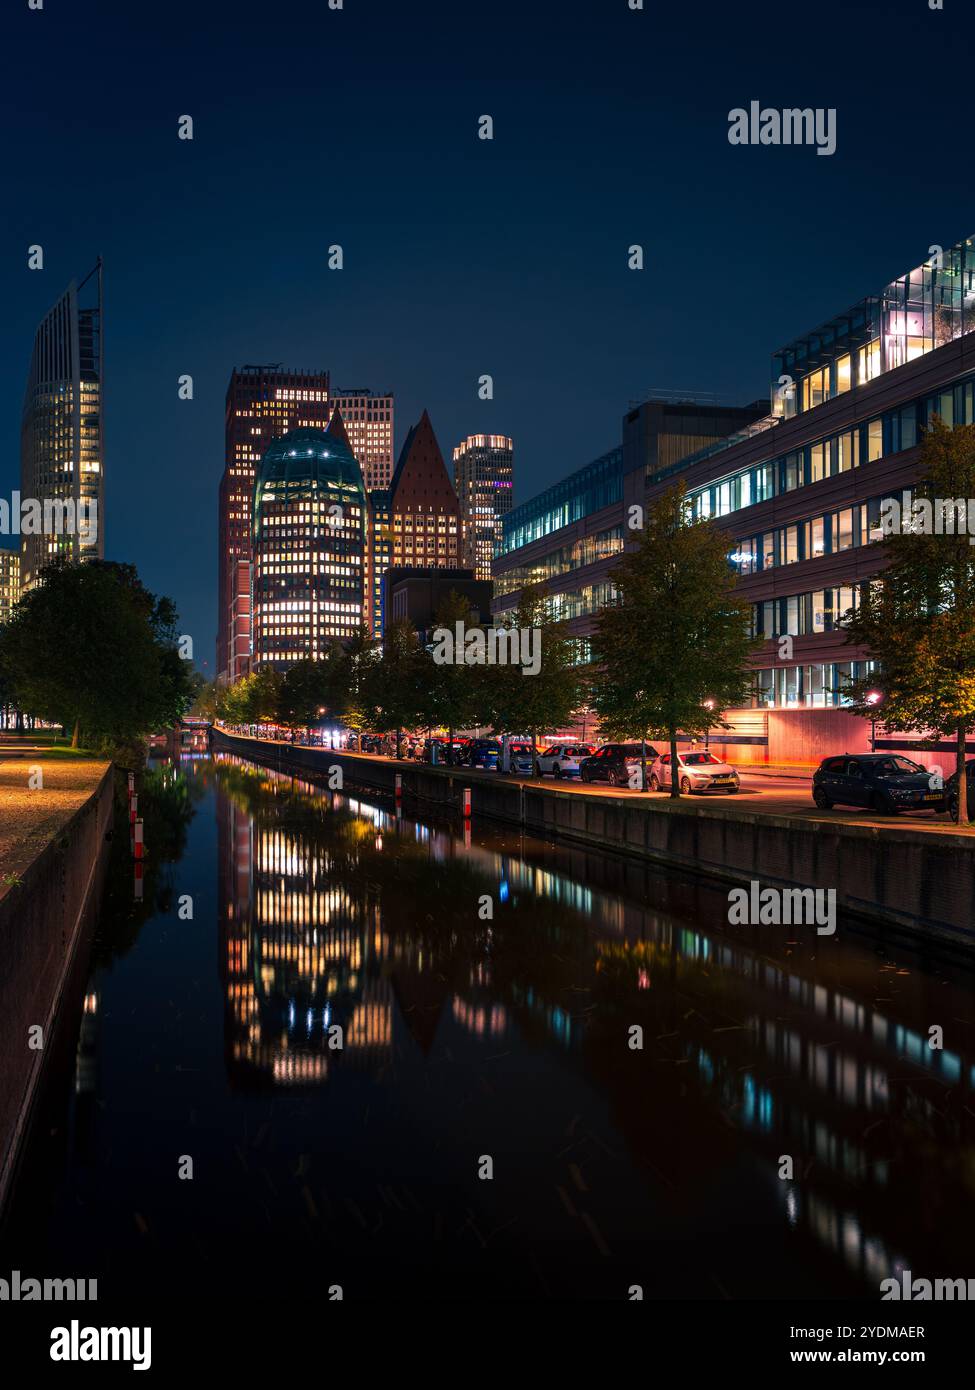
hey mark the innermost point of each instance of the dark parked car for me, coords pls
(951, 787)
(613, 763)
(885, 782)
(483, 752)
(448, 754)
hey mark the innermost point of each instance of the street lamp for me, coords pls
(708, 704)
(874, 698)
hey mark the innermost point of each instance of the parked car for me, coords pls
(884, 782)
(613, 763)
(448, 754)
(563, 759)
(483, 752)
(521, 759)
(951, 787)
(696, 772)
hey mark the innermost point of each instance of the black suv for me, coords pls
(613, 764)
(885, 782)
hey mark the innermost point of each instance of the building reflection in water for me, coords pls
(316, 937)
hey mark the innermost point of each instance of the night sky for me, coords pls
(462, 256)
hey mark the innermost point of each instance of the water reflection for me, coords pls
(400, 998)
(322, 928)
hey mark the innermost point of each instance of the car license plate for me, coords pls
(933, 796)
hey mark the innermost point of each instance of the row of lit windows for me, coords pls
(807, 540)
(816, 686)
(801, 615)
(888, 434)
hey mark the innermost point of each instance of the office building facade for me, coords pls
(417, 595)
(484, 481)
(310, 547)
(425, 520)
(264, 403)
(797, 487)
(800, 498)
(369, 418)
(61, 452)
(9, 583)
(571, 535)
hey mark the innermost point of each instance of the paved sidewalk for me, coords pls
(29, 818)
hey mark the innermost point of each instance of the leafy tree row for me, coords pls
(92, 649)
(402, 686)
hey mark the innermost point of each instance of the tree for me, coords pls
(917, 617)
(254, 699)
(396, 682)
(673, 650)
(533, 701)
(301, 694)
(91, 648)
(207, 699)
(452, 692)
(352, 681)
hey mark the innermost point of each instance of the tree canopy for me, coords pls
(91, 648)
(917, 617)
(673, 651)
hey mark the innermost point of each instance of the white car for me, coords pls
(563, 759)
(696, 772)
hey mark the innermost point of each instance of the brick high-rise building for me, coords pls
(424, 511)
(484, 478)
(263, 403)
(368, 419)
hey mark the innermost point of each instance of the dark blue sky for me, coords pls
(462, 256)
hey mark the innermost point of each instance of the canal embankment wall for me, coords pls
(919, 882)
(49, 894)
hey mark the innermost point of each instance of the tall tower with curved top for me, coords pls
(61, 453)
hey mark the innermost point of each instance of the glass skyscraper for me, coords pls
(484, 478)
(309, 546)
(61, 456)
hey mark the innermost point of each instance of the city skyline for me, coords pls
(563, 379)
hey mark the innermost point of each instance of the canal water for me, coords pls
(398, 1057)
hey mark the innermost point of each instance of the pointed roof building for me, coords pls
(424, 508)
(336, 428)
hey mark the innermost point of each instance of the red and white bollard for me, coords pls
(467, 803)
(138, 847)
(399, 786)
(137, 885)
(131, 784)
(133, 807)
